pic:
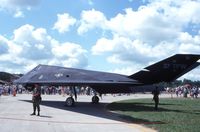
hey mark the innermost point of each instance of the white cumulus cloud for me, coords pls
(72, 54)
(153, 32)
(152, 23)
(64, 22)
(91, 19)
(31, 46)
(123, 50)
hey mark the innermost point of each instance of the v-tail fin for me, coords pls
(168, 69)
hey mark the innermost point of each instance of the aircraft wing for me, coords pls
(55, 75)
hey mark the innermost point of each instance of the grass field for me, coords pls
(173, 115)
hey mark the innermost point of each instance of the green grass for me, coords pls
(173, 115)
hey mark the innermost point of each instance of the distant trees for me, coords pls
(7, 77)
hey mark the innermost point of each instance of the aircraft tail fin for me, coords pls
(168, 69)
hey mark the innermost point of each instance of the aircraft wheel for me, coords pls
(69, 101)
(95, 99)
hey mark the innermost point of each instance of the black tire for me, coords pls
(69, 102)
(95, 99)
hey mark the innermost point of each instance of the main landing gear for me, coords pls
(70, 102)
(95, 99)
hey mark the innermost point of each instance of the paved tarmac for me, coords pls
(55, 117)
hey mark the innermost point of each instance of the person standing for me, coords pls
(36, 98)
(1, 90)
(156, 93)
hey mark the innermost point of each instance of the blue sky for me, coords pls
(121, 36)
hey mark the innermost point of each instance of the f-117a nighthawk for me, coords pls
(166, 70)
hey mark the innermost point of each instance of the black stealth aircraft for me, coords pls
(166, 70)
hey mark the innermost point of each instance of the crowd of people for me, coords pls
(48, 90)
(180, 91)
(10, 89)
(184, 91)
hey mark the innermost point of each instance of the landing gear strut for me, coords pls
(70, 100)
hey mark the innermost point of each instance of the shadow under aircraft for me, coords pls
(166, 70)
(100, 111)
